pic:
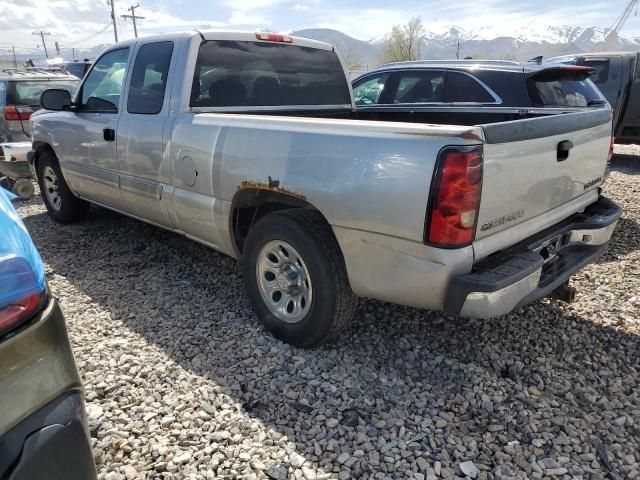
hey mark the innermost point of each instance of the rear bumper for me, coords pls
(535, 267)
(51, 444)
(42, 419)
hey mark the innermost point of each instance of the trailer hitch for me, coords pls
(565, 293)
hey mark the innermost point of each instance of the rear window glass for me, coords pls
(231, 74)
(563, 93)
(28, 92)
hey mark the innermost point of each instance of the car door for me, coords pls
(87, 140)
(141, 132)
(607, 76)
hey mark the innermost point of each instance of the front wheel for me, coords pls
(296, 279)
(63, 206)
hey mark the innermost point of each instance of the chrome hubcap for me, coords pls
(284, 281)
(51, 189)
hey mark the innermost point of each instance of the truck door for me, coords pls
(607, 76)
(87, 142)
(141, 131)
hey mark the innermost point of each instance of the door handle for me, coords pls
(563, 150)
(109, 134)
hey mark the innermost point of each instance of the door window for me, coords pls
(420, 87)
(369, 91)
(149, 78)
(601, 70)
(103, 86)
(462, 88)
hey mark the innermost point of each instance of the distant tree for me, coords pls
(405, 42)
(351, 58)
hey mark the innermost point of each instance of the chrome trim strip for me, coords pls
(93, 173)
(141, 186)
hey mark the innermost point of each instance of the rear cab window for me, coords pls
(245, 73)
(600, 73)
(563, 87)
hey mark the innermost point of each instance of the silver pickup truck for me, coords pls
(250, 143)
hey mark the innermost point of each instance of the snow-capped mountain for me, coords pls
(514, 41)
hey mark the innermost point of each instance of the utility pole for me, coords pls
(73, 53)
(15, 60)
(113, 19)
(133, 17)
(42, 34)
(57, 49)
(458, 51)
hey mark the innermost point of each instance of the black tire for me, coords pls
(71, 208)
(333, 303)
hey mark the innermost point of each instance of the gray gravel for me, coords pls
(181, 381)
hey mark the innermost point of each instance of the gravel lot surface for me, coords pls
(182, 382)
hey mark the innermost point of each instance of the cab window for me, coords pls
(149, 78)
(103, 86)
(601, 70)
(369, 91)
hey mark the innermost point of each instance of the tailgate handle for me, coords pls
(563, 150)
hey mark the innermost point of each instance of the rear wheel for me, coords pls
(62, 205)
(296, 279)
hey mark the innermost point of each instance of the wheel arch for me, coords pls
(254, 201)
(40, 146)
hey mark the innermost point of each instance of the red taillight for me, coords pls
(13, 113)
(19, 311)
(20, 294)
(455, 197)
(274, 37)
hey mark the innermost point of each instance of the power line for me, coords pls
(75, 42)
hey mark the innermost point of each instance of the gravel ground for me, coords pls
(181, 381)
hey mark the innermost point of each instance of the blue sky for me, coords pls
(78, 22)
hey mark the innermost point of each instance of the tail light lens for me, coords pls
(22, 281)
(455, 197)
(12, 112)
(20, 294)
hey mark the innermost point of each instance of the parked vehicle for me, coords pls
(43, 429)
(617, 77)
(476, 88)
(20, 92)
(250, 144)
(77, 68)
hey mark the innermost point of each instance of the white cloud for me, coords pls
(299, 6)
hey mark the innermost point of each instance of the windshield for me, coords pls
(27, 92)
(233, 74)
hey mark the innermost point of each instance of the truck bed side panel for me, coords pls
(371, 176)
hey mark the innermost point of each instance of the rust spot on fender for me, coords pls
(272, 186)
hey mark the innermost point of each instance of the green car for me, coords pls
(43, 428)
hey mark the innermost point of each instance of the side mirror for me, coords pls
(55, 99)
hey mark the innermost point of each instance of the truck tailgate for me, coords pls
(535, 166)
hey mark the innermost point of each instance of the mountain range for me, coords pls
(509, 42)
(514, 42)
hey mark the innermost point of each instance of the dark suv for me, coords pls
(483, 89)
